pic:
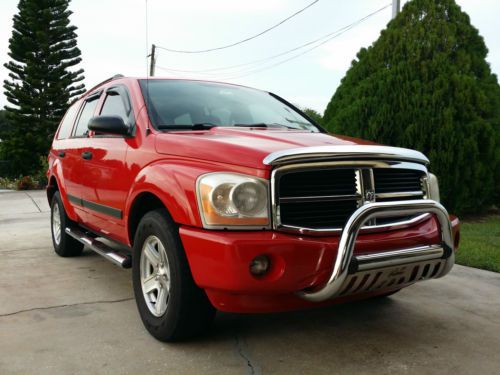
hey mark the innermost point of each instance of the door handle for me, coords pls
(62, 154)
(87, 155)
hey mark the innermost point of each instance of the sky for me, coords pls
(114, 39)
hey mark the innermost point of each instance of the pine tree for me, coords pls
(425, 84)
(315, 115)
(43, 50)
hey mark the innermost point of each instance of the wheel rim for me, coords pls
(56, 223)
(155, 276)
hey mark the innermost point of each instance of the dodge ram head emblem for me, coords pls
(370, 196)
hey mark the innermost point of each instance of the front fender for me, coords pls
(173, 181)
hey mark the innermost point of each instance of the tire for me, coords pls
(64, 244)
(160, 267)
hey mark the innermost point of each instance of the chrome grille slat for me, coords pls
(321, 197)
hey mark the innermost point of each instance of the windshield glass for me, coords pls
(177, 104)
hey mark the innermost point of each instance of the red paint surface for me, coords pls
(167, 165)
(220, 262)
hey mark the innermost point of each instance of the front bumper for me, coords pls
(219, 262)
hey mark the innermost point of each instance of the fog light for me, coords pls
(259, 265)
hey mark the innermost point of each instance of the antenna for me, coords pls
(148, 130)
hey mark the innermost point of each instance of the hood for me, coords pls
(244, 147)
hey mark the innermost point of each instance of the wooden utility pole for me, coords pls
(396, 4)
(153, 61)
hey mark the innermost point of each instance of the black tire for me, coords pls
(188, 310)
(67, 245)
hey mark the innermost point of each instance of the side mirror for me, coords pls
(109, 125)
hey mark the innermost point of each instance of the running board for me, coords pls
(122, 260)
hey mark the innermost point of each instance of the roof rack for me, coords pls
(116, 76)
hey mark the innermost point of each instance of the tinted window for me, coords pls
(182, 102)
(114, 106)
(68, 121)
(87, 113)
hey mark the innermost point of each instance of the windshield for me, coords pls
(179, 104)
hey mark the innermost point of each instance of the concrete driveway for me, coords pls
(77, 316)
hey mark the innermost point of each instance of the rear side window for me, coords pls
(114, 106)
(68, 121)
(87, 113)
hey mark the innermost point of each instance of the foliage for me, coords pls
(425, 84)
(480, 243)
(41, 83)
(25, 183)
(36, 181)
(8, 183)
(315, 115)
(4, 125)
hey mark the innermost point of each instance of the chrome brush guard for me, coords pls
(365, 273)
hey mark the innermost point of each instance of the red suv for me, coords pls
(223, 197)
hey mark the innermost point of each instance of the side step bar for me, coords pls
(122, 260)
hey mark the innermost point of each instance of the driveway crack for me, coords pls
(66, 305)
(36, 205)
(243, 353)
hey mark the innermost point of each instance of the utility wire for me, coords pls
(236, 74)
(241, 41)
(256, 62)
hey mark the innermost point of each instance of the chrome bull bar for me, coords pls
(345, 260)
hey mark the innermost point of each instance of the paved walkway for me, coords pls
(77, 316)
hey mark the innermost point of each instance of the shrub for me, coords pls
(25, 183)
(425, 84)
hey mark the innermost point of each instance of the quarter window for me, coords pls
(68, 121)
(87, 113)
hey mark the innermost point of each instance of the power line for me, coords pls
(241, 41)
(235, 74)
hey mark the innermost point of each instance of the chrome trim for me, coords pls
(362, 167)
(400, 194)
(364, 230)
(351, 230)
(343, 152)
(99, 247)
(321, 198)
(398, 257)
(391, 278)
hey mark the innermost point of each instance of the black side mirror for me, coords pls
(109, 125)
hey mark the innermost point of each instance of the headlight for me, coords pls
(233, 200)
(433, 188)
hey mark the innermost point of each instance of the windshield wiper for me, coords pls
(263, 125)
(198, 126)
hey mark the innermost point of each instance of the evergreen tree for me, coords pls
(425, 84)
(41, 83)
(3, 123)
(315, 115)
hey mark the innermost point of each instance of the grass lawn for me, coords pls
(480, 243)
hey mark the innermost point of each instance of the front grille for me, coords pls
(319, 182)
(392, 180)
(320, 198)
(318, 214)
(325, 198)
